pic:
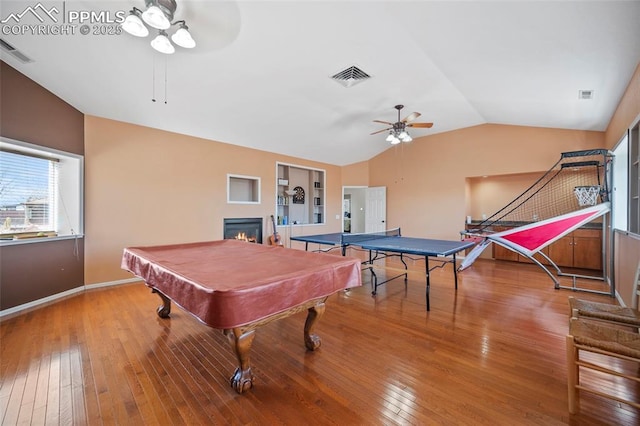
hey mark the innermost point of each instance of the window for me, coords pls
(620, 189)
(626, 181)
(40, 191)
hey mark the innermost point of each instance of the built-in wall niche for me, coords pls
(243, 189)
(300, 195)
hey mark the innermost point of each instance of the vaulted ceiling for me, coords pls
(260, 74)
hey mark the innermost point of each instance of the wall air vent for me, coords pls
(585, 94)
(15, 52)
(350, 76)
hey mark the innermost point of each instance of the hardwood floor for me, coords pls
(492, 353)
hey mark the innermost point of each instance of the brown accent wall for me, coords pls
(30, 113)
(37, 270)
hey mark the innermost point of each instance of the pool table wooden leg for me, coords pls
(241, 340)
(165, 309)
(312, 341)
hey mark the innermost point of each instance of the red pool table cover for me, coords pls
(232, 283)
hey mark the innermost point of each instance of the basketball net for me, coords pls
(587, 195)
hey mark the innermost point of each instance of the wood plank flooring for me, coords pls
(490, 353)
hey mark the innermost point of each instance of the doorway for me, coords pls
(354, 208)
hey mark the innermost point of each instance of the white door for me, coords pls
(375, 218)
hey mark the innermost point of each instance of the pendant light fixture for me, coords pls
(159, 15)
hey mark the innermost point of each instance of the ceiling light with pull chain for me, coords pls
(398, 130)
(159, 15)
(397, 135)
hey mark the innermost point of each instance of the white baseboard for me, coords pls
(54, 297)
(39, 302)
(111, 283)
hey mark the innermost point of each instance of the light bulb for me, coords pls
(162, 44)
(183, 38)
(134, 26)
(390, 138)
(156, 18)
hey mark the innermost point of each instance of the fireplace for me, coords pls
(243, 228)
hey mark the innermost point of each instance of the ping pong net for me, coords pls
(355, 239)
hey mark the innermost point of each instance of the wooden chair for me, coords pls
(628, 316)
(610, 343)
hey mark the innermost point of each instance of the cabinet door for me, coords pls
(561, 252)
(537, 256)
(503, 253)
(587, 249)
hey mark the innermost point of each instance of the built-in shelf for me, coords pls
(243, 189)
(300, 196)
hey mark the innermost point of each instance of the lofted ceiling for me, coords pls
(260, 74)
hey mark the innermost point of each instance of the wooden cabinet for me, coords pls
(581, 248)
(537, 256)
(503, 253)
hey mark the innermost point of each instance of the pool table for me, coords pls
(237, 286)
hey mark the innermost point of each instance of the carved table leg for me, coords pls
(165, 309)
(241, 341)
(312, 341)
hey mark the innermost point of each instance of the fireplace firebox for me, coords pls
(243, 228)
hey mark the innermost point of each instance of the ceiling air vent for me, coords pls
(585, 94)
(350, 76)
(15, 52)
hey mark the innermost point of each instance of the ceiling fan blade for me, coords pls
(423, 125)
(411, 117)
(383, 130)
(383, 122)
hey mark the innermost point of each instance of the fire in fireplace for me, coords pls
(243, 228)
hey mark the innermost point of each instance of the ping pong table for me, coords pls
(381, 245)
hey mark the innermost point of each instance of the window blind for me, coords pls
(28, 192)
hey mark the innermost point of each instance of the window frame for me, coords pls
(70, 183)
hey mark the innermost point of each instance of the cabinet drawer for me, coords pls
(587, 233)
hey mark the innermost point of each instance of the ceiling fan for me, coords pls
(397, 131)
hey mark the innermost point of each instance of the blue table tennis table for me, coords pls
(384, 244)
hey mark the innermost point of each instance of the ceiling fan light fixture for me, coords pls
(162, 44)
(155, 17)
(398, 130)
(391, 136)
(159, 15)
(183, 38)
(134, 25)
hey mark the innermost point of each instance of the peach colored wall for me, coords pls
(356, 174)
(426, 180)
(627, 112)
(489, 194)
(145, 186)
